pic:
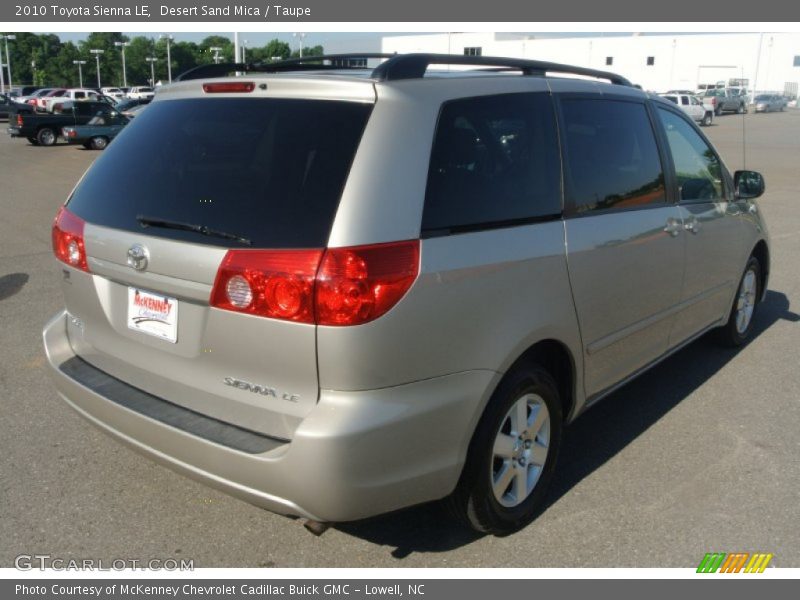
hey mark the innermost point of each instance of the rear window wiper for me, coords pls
(145, 221)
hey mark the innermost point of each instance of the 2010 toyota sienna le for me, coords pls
(336, 292)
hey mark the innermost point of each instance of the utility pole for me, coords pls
(152, 60)
(97, 54)
(7, 37)
(80, 71)
(302, 36)
(169, 39)
(122, 46)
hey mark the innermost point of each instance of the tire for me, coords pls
(741, 110)
(718, 111)
(33, 141)
(740, 320)
(46, 136)
(487, 497)
(98, 143)
(707, 119)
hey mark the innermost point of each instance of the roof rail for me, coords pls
(397, 66)
(414, 66)
(307, 63)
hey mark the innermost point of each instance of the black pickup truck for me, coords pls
(44, 129)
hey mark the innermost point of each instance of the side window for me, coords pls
(685, 100)
(697, 168)
(80, 95)
(494, 162)
(673, 99)
(611, 156)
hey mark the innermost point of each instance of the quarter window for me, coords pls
(611, 156)
(494, 163)
(697, 168)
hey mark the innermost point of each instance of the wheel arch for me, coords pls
(761, 252)
(556, 357)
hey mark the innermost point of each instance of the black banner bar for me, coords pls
(411, 11)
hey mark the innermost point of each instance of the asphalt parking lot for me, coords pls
(701, 454)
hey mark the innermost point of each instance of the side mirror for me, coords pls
(748, 184)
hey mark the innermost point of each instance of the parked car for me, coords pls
(134, 111)
(129, 103)
(98, 132)
(693, 106)
(42, 129)
(43, 101)
(113, 92)
(141, 92)
(769, 103)
(339, 296)
(30, 99)
(69, 95)
(7, 106)
(726, 100)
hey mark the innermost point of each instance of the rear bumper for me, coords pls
(357, 454)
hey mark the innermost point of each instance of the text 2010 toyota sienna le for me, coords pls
(339, 292)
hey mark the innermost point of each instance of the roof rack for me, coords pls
(330, 62)
(398, 66)
(414, 66)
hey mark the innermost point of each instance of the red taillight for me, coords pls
(19, 120)
(357, 285)
(269, 283)
(68, 239)
(338, 286)
(229, 87)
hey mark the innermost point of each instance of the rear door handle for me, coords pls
(673, 227)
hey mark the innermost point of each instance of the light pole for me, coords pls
(7, 37)
(80, 71)
(122, 46)
(302, 36)
(244, 52)
(97, 54)
(169, 39)
(152, 60)
(216, 50)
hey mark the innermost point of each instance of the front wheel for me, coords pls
(512, 454)
(99, 142)
(740, 321)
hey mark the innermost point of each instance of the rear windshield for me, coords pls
(267, 170)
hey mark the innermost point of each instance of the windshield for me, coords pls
(269, 170)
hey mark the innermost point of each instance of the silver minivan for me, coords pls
(336, 291)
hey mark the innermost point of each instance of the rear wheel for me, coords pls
(740, 321)
(99, 142)
(742, 109)
(512, 454)
(718, 110)
(46, 136)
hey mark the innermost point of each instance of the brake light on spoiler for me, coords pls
(335, 286)
(229, 87)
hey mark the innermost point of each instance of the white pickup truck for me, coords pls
(699, 109)
(49, 102)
